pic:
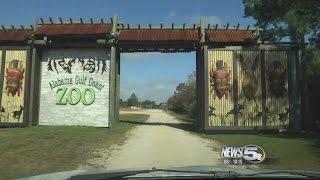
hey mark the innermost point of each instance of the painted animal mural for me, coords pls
(14, 78)
(17, 114)
(277, 80)
(11, 107)
(259, 88)
(249, 82)
(89, 65)
(220, 81)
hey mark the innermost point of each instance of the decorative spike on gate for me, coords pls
(50, 19)
(71, 22)
(42, 22)
(81, 21)
(122, 25)
(91, 20)
(60, 19)
(101, 20)
(161, 25)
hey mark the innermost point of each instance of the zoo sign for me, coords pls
(73, 96)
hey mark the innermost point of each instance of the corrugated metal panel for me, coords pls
(158, 35)
(249, 88)
(229, 36)
(277, 104)
(14, 35)
(220, 108)
(74, 29)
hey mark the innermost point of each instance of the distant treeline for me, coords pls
(133, 101)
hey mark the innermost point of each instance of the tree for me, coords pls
(281, 18)
(132, 100)
(122, 103)
(296, 20)
(184, 99)
(147, 103)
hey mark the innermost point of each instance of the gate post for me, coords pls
(200, 89)
(206, 86)
(202, 80)
(117, 105)
(113, 75)
(28, 87)
(294, 119)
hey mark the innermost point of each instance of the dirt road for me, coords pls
(155, 145)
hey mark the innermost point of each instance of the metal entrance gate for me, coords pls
(14, 78)
(250, 89)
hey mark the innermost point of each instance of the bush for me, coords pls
(184, 99)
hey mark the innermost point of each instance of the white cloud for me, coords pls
(195, 19)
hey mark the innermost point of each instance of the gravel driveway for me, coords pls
(159, 144)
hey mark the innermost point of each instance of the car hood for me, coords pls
(154, 172)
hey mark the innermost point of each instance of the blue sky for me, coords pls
(150, 75)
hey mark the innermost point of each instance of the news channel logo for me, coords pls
(248, 154)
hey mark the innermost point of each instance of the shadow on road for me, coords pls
(184, 126)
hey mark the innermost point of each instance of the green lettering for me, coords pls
(84, 95)
(71, 100)
(60, 100)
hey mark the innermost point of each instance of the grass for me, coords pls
(136, 118)
(182, 117)
(45, 149)
(282, 151)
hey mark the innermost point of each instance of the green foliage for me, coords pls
(122, 103)
(133, 100)
(149, 104)
(295, 19)
(282, 18)
(184, 99)
(313, 63)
